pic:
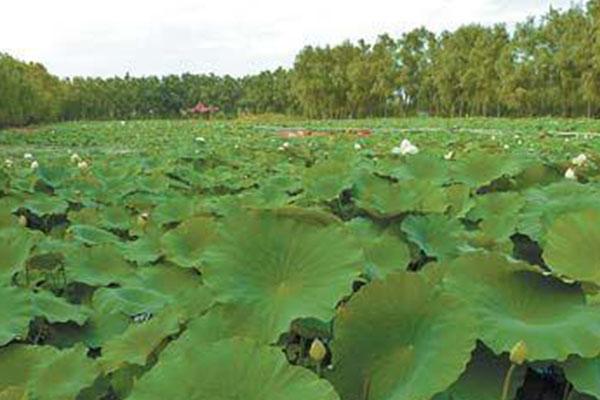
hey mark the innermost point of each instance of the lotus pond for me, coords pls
(427, 260)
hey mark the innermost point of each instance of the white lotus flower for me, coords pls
(83, 165)
(493, 137)
(506, 147)
(286, 145)
(122, 123)
(75, 158)
(34, 165)
(570, 174)
(8, 162)
(357, 146)
(579, 160)
(449, 155)
(28, 156)
(200, 139)
(406, 147)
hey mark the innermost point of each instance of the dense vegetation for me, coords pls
(546, 66)
(219, 260)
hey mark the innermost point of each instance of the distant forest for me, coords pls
(548, 65)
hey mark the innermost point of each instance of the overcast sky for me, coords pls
(112, 37)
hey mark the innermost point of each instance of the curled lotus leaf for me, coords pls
(17, 362)
(135, 344)
(572, 248)
(98, 265)
(327, 179)
(15, 247)
(282, 267)
(239, 369)
(543, 205)
(20, 306)
(514, 302)
(384, 250)
(436, 234)
(584, 374)
(399, 338)
(384, 198)
(481, 168)
(186, 244)
(63, 375)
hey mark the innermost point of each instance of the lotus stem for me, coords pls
(568, 391)
(507, 380)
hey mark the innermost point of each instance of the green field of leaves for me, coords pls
(429, 260)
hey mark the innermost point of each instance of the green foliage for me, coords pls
(180, 268)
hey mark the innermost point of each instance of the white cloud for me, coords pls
(111, 37)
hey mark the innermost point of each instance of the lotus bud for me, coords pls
(28, 156)
(570, 174)
(22, 220)
(82, 165)
(357, 146)
(200, 139)
(317, 351)
(580, 160)
(34, 165)
(518, 354)
(75, 158)
(449, 156)
(143, 219)
(8, 163)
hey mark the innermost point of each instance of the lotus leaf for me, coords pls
(239, 369)
(399, 338)
(282, 268)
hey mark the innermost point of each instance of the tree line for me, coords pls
(544, 66)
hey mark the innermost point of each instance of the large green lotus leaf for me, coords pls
(272, 193)
(115, 217)
(97, 266)
(481, 168)
(186, 244)
(572, 248)
(584, 374)
(238, 369)
(92, 235)
(180, 287)
(398, 339)
(437, 235)
(15, 247)
(55, 175)
(514, 302)
(42, 204)
(17, 362)
(145, 249)
(174, 209)
(327, 179)
(384, 251)
(423, 166)
(282, 267)
(98, 329)
(459, 199)
(484, 378)
(383, 198)
(85, 216)
(19, 307)
(498, 212)
(544, 205)
(63, 376)
(139, 341)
